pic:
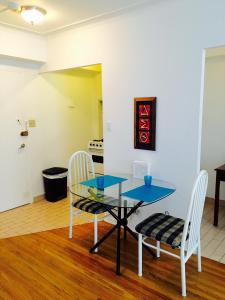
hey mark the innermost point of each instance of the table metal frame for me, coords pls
(121, 222)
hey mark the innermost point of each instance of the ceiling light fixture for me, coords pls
(32, 14)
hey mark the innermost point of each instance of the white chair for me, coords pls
(176, 232)
(81, 167)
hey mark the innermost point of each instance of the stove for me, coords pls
(96, 149)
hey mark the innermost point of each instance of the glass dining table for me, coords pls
(121, 195)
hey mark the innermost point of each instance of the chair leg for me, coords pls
(95, 231)
(71, 217)
(158, 249)
(199, 256)
(183, 277)
(139, 254)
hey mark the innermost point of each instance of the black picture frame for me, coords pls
(145, 123)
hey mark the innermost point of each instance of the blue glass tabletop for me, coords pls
(149, 194)
(132, 191)
(102, 182)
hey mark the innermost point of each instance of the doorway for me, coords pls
(66, 107)
(213, 150)
(82, 89)
(14, 167)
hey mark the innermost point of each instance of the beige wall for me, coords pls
(213, 144)
(100, 104)
(63, 105)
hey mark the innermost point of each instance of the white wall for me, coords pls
(14, 163)
(21, 44)
(151, 51)
(21, 55)
(61, 104)
(213, 145)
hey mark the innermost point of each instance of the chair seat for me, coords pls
(89, 206)
(163, 228)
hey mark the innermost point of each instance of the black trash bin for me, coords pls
(55, 183)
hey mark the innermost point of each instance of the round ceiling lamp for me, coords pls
(32, 14)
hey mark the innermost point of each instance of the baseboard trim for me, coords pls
(38, 198)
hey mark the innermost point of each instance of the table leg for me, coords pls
(120, 222)
(133, 209)
(120, 190)
(125, 222)
(217, 199)
(103, 239)
(118, 243)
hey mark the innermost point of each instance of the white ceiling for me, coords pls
(63, 13)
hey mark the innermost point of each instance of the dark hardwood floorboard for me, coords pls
(47, 265)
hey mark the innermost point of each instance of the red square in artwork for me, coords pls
(144, 137)
(144, 110)
(144, 124)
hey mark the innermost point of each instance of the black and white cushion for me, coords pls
(89, 206)
(163, 228)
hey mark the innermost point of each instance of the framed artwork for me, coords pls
(145, 123)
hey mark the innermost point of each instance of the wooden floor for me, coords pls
(43, 215)
(47, 265)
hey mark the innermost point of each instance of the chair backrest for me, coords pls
(195, 212)
(81, 167)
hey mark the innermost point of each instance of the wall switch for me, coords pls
(109, 126)
(32, 123)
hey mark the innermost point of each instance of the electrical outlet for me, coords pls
(32, 123)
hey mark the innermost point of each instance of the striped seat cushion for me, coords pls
(163, 228)
(89, 206)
